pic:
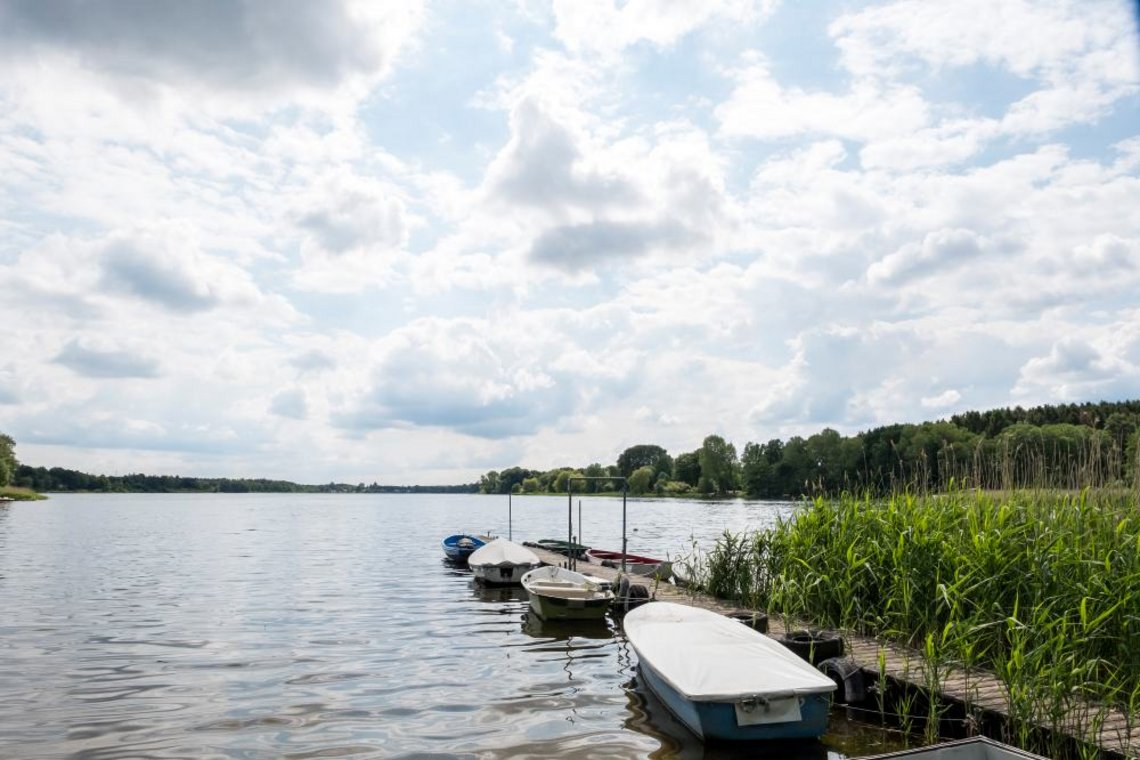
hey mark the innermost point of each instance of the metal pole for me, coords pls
(624, 543)
(579, 521)
(510, 534)
(569, 525)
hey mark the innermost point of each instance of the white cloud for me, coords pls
(761, 108)
(943, 400)
(608, 27)
(243, 249)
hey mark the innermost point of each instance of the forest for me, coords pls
(1066, 446)
(1062, 446)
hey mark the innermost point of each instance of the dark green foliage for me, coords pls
(644, 455)
(60, 479)
(687, 468)
(717, 458)
(8, 463)
(1070, 446)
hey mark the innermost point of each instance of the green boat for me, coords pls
(560, 594)
(565, 548)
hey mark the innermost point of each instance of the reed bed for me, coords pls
(1041, 588)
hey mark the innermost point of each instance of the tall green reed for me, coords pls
(1040, 587)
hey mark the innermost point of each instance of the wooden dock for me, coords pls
(978, 690)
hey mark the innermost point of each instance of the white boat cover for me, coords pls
(502, 553)
(712, 658)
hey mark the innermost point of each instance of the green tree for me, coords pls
(687, 468)
(8, 463)
(718, 465)
(489, 483)
(594, 470)
(756, 473)
(562, 480)
(640, 480)
(644, 455)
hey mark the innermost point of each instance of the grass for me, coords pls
(20, 494)
(1039, 587)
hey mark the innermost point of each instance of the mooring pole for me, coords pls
(569, 526)
(624, 543)
(510, 534)
(580, 521)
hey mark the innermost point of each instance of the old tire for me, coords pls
(812, 645)
(848, 678)
(757, 621)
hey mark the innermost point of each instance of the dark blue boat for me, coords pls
(460, 546)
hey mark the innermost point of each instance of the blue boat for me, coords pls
(460, 546)
(723, 680)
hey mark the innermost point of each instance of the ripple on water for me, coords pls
(268, 626)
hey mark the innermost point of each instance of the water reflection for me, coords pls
(566, 630)
(274, 625)
(497, 594)
(648, 715)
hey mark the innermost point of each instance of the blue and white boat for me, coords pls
(723, 680)
(460, 546)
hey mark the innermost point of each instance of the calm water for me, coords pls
(263, 626)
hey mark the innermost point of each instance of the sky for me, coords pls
(374, 242)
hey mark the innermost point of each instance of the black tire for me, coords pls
(848, 678)
(812, 645)
(757, 621)
(630, 595)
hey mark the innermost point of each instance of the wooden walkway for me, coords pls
(976, 689)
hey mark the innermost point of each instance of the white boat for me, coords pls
(559, 594)
(502, 562)
(724, 680)
(977, 748)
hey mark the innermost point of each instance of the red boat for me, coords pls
(648, 566)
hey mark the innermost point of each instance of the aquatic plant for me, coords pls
(1039, 587)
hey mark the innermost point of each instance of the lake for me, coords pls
(301, 625)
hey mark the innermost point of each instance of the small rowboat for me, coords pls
(560, 594)
(502, 563)
(460, 546)
(647, 566)
(977, 748)
(562, 547)
(723, 680)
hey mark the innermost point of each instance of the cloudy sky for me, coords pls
(362, 242)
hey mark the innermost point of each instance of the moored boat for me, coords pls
(567, 548)
(559, 594)
(502, 562)
(976, 748)
(460, 546)
(723, 680)
(647, 566)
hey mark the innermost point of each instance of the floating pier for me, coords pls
(977, 689)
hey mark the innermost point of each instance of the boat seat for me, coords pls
(563, 590)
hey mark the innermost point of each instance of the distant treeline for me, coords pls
(60, 479)
(1062, 446)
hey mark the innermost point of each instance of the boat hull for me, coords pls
(553, 608)
(717, 721)
(500, 575)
